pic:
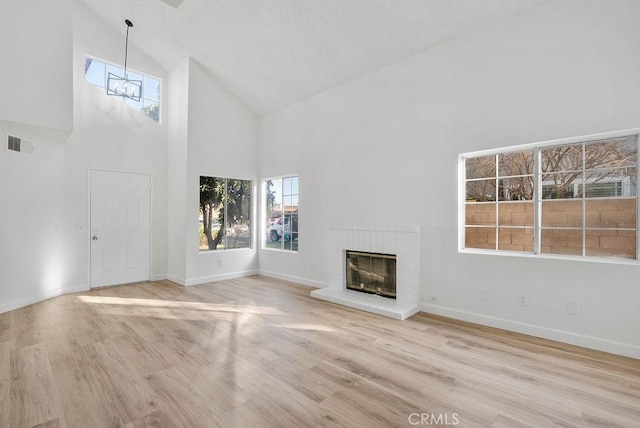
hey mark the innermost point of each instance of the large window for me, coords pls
(282, 203)
(96, 72)
(577, 198)
(225, 213)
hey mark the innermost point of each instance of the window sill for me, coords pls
(223, 251)
(549, 256)
(279, 250)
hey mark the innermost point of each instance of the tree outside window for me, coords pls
(225, 213)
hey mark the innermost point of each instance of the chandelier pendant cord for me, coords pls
(131, 89)
(126, 53)
(126, 47)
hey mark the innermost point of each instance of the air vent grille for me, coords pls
(20, 145)
(14, 143)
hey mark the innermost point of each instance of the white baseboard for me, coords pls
(591, 342)
(177, 280)
(221, 277)
(76, 289)
(159, 277)
(45, 295)
(292, 278)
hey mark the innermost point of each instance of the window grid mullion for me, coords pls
(496, 202)
(537, 204)
(282, 240)
(225, 198)
(637, 199)
(584, 200)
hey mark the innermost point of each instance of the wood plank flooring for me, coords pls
(260, 352)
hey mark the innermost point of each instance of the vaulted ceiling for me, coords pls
(273, 53)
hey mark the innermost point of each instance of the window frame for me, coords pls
(537, 199)
(264, 217)
(143, 99)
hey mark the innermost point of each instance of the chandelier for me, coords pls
(122, 86)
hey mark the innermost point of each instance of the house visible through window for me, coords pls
(576, 199)
(225, 213)
(281, 196)
(96, 72)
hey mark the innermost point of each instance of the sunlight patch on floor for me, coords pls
(301, 326)
(171, 304)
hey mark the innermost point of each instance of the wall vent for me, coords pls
(19, 145)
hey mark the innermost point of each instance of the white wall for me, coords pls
(44, 225)
(45, 196)
(210, 133)
(36, 104)
(178, 123)
(382, 150)
(35, 66)
(32, 225)
(110, 135)
(223, 135)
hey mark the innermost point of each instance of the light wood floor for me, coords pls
(261, 352)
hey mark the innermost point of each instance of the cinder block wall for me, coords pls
(605, 219)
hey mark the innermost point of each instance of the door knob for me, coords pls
(95, 238)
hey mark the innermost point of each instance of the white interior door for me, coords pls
(120, 228)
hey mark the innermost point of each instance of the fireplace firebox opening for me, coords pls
(371, 273)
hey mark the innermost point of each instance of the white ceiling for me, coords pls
(272, 53)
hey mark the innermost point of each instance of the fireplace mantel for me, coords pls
(404, 242)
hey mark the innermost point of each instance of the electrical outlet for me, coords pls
(219, 262)
(573, 308)
(523, 300)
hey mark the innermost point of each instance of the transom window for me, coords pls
(282, 205)
(96, 72)
(225, 213)
(578, 198)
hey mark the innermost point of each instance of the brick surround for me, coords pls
(404, 242)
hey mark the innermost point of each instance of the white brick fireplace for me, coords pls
(404, 242)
